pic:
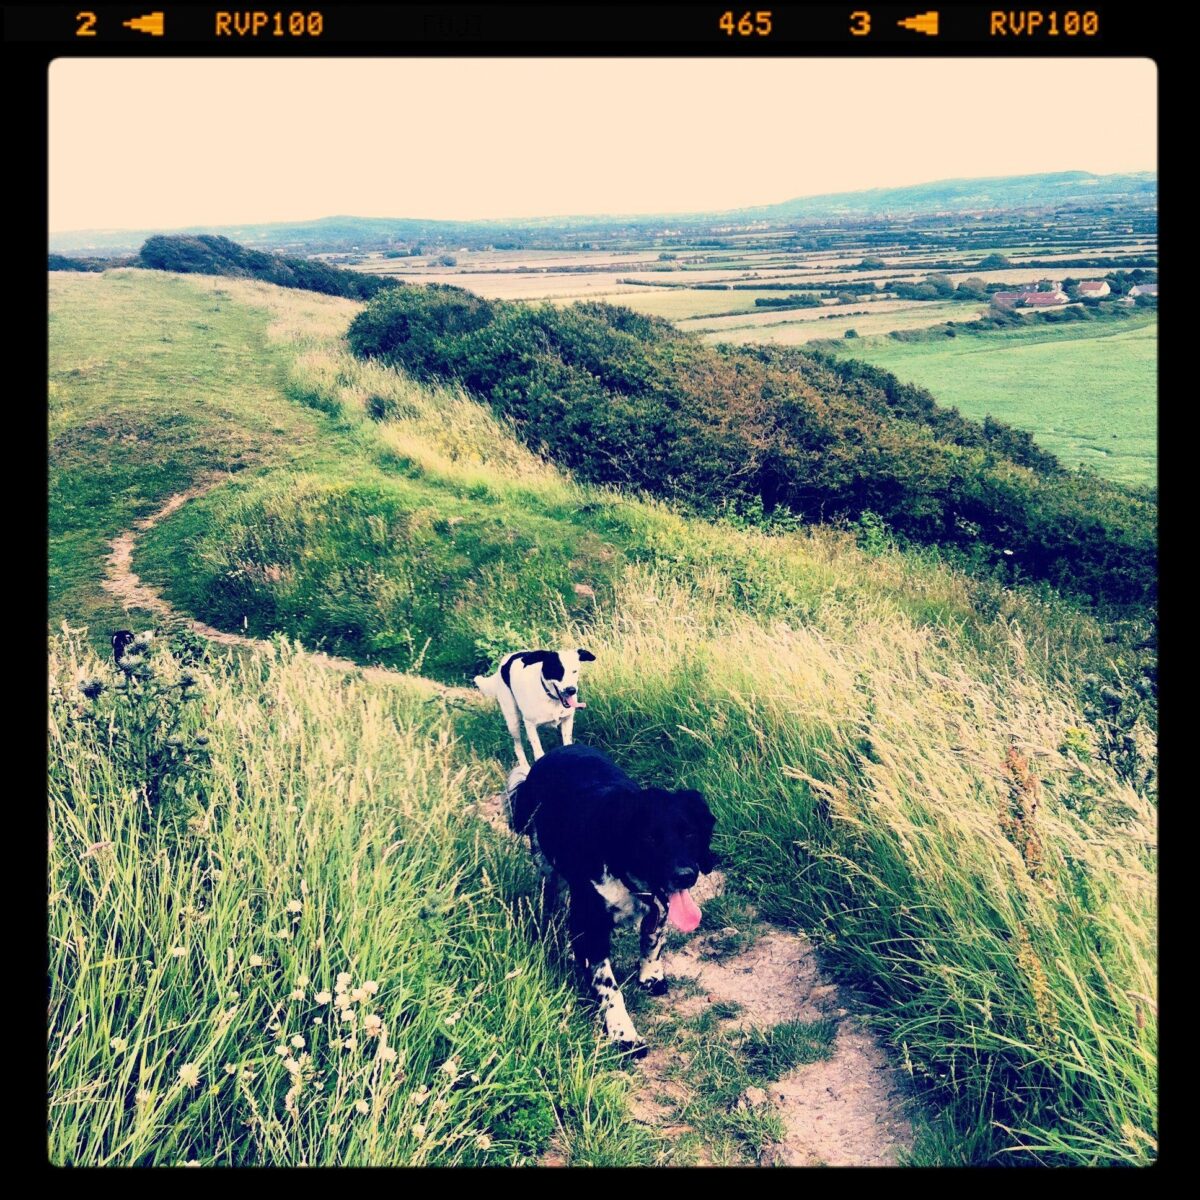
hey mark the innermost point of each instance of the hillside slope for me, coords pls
(917, 769)
(621, 398)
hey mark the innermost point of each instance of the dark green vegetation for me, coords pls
(207, 254)
(625, 399)
(61, 262)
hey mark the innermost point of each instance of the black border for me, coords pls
(1128, 32)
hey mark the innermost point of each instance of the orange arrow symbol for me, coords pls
(151, 23)
(926, 23)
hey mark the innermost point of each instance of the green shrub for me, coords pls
(622, 398)
(210, 254)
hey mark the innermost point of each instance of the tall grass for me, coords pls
(947, 835)
(302, 826)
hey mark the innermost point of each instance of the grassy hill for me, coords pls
(1008, 192)
(622, 398)
(207, 254)
(946, 782)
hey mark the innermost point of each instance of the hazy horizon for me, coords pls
(144, 144)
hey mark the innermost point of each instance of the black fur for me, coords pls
(593, 824)
(585, 655)
(120, 640)
(552, 666)
(589, 815)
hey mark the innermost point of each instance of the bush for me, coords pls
(622, 398)
(209, 254)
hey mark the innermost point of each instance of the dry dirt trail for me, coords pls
(121, 581)
(849, 1109)
(846, 1110)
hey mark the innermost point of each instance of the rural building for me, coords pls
(1145, 289)
(1008, 299)
(1030, 299)
(1094, 288)
(1044, 299)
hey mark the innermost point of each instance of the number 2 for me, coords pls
(87, 24)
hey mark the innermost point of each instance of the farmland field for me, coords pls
(679, 304)
(726, 273)
(797, 328)
(1087, 393)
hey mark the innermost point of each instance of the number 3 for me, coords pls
(860, 24)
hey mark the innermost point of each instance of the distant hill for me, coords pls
(347, 233)
(1060, 189)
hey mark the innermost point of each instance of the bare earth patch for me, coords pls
(121, 581)
(847, 1110)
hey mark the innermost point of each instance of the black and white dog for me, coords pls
(539, 687)
(624, 851)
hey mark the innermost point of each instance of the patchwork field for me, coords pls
(797, 328)
(744, 260)
(1088, 394)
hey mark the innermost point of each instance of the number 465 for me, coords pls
(747, 25)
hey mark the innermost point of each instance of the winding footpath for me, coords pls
(845, 1110)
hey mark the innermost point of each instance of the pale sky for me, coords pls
(139, 144)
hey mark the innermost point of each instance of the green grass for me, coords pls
(157, 380)
(714, 1064)
(302, 826)
(1088, 393)
(904, 762)
(771, 1053)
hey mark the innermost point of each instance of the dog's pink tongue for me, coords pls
(682, 911)
(572, 702)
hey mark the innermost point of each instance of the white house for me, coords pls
(1093, 289)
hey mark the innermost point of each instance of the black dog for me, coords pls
(120, 641)
(623, 851)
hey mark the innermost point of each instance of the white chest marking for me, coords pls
(622, 903)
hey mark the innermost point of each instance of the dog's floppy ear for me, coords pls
(703, 822)
(585, 655)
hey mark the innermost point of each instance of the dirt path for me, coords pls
(847, 1109)
(121, 581)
